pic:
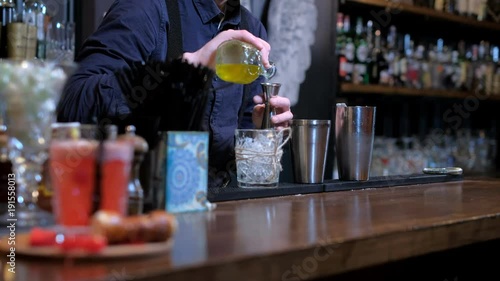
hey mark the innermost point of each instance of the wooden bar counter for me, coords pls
(304, 237)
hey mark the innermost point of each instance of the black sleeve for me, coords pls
(130, 32)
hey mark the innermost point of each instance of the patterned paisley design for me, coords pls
(183, 176)
(190, 138)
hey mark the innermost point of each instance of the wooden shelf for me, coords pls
(429, 12)
(347, 88)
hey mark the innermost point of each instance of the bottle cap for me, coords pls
(139, 143)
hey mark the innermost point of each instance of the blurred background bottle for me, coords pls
(135, 190)
(368, 55)
(7, 16)
(35, 14)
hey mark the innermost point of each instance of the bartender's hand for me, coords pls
(282, 107)
(206, 55)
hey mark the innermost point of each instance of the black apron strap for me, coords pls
(174, 33)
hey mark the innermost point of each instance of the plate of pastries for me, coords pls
(109, 235)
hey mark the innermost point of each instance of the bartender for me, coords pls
(138, 30)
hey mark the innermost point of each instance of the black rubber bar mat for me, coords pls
(235, 193)
(379, 182)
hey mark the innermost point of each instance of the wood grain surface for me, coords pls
(303, 237)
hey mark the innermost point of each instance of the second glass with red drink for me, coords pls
(73, 169)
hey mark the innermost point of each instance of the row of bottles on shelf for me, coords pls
(22, 32)
(365, 57)
(476, 9)
(27, 29)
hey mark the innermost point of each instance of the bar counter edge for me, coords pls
(306, 237)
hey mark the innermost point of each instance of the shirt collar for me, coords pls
(208, 10)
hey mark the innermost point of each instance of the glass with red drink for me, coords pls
(72, 172)
(116, 165)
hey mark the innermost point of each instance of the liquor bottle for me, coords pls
(438, 65)
(463, 7)
(432, 65)
(7, 15)
(370, 46)
(370, 36)
(392, 56)
(450, 6)
(29, 14)
(378, 62)
(425, 67)
(495, 85)
(340, 48)
(347, 65)
(464, 66)
(419, 59)
(361, 55)
(489, 72)
(448, 68)
(384, 64)
(405, 55)
(475, 74)
(482, 67)
(439, 5)
(22, 32)
(40, 11)
(457, 71)
(472, 8)
(340, 41)
(482, 9)
(413, 71)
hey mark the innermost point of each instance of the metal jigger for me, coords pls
(270, 90)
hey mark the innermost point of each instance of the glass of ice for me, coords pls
(258, 157)
(29, 93)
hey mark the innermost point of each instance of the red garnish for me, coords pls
(86, 242)
(42, 237)
(69, 243)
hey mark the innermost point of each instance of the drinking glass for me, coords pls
(258, 156)
(60, 131)
(72, 172)
(116, 157)
(29, 92)
(60, 41)
(116, 168)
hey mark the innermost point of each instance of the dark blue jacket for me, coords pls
(136, 30)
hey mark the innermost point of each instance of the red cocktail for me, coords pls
(117, 160)
(72, 171)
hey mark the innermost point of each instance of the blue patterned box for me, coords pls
(186, 171)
